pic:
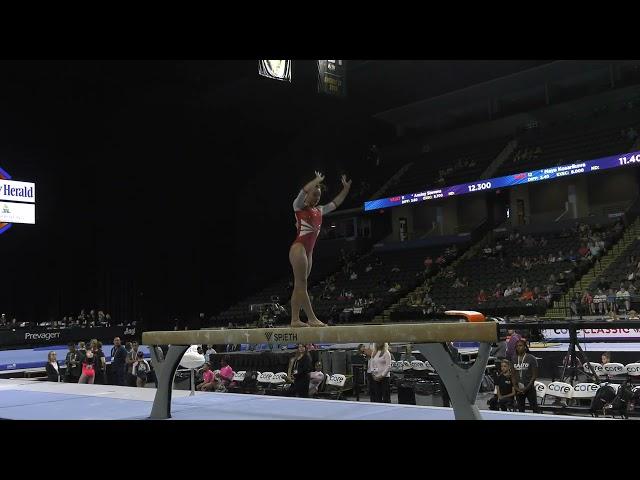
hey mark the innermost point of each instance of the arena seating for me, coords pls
(486, 271)
(596, 139)
(424, 171)
(619, 270)
(377, 282)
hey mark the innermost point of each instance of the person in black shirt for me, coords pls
(301, 373)
(505, 391)
(73, 363)
(53, 368)
(118, 362)
(101, 364)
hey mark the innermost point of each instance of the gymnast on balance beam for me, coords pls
(308, 222)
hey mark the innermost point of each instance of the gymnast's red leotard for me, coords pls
(309, 221)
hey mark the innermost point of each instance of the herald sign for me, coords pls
(17, 202)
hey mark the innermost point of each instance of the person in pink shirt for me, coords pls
(225, 374)
(208, 381)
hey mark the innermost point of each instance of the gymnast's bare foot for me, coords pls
(314, 322)
(298, 323)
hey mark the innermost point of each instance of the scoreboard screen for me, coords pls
(550, 173)
(331, 77)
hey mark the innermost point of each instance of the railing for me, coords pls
(500, 158)
(388, 183)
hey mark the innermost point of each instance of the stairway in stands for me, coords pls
(620, 248)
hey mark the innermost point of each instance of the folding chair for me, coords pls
(264, 380)
(615, 372)
(334, 386)
(560, 390)
(633, 371)
(278, 381)
(236, 381)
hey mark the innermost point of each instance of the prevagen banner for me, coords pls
(550, 173)
(13, 191)
(594, 334)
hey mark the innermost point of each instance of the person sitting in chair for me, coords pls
(315, 379)
(208, 383)
(505, 391)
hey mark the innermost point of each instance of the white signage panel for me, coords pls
(17, 212)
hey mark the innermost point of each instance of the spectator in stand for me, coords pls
(73, 362)
(623, 298)
(498, 293)
(561, 282)
(428, 262)
(141, 370)
(605, 358)
(353, 276)
(583, 251)
(457, 283)
(395, 288)
(368, 268)
(551, 258)
(508, 291)
(600, 302)
(118, 362)
(527, 295)
(53, 368)
(440, 260)
(482, 297)
(587, 303)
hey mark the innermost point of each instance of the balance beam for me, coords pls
(462, 384)
(397, 332)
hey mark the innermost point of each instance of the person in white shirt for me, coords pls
(210, 351)
(380, 367)
(316, 379)
(623, 297)
(600, 302)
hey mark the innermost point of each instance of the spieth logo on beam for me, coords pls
(281, 337)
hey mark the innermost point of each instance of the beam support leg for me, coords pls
(165, 372)
(462, 384)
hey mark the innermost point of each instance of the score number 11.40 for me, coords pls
(627, 161)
